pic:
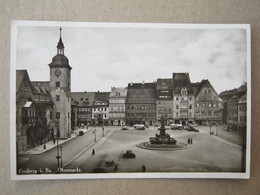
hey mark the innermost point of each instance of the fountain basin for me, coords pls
(164, 146)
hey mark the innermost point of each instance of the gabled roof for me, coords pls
(83, 98)
(102, 96)
(181, 80)
(141, 92)
(163, 84)
(118, 92)
(20, 76)
(203, 83)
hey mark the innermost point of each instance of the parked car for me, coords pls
(81, 133)
(180, 126)
(190, 128)
(139, 127)
(129, 154)
(173, 126)
(124, 128)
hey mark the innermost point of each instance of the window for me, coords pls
(190, 106)
(177, 98)
(58, 84)
(57, 97)
(57, 115)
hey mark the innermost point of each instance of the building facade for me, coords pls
(25, 109)
(235, 106)
(242, 113)
(34, 108)
(100, 110)
(164, 100)
(208, 104)
(60, 89)
(183, 99)
(141, 103)
(117, 104)
(84, 105)
(44, 112)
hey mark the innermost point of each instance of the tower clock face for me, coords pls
(57, 73)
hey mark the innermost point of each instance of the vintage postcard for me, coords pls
(129, 100)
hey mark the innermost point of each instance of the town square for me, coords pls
(116, 114)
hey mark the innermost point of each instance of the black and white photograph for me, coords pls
(129, 100)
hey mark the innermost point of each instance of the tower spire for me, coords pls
(60, 46)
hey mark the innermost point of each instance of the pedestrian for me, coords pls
(93, 152)
(53, 140)
(115, 167)
(143, 168)
(189, 141)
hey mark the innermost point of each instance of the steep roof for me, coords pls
(118, 92)
(41, 87)
(141, 85)
(20, 74)
(141, 93)
(181, 80)
(83, 98)
(102, 96)
(228, 94)
(164, 84)
(164, 88)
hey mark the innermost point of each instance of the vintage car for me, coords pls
(191, 128)
(139, 127)
(124, 128)
(129, 154)
(173, 126)
(81, 133)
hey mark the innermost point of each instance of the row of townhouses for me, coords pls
(48, 109)
(176, 99)
(235, 108)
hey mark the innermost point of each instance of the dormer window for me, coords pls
(183, 91)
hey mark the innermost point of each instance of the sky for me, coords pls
(104, 57)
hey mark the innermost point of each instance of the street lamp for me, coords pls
(94, 132)
(217, 130)
(61, 157)
(210, 125)
(58, 134)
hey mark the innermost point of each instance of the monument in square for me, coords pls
(162, 141)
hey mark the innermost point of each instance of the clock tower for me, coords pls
(60, 89)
